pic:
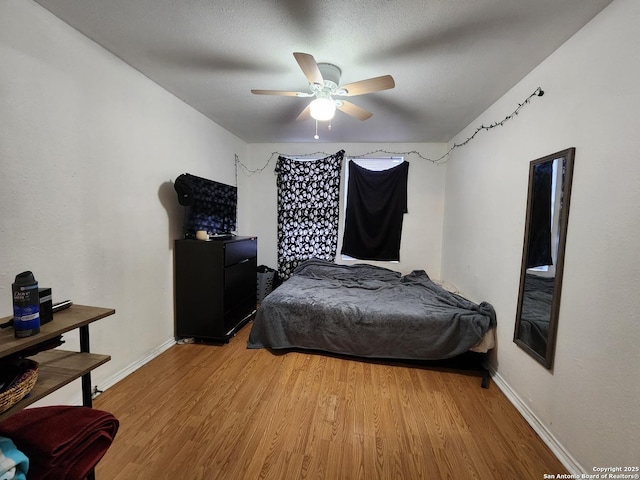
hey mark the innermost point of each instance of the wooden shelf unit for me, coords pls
(57, 367)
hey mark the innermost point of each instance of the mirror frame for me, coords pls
(547, 359)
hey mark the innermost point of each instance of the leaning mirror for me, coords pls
(543, 255)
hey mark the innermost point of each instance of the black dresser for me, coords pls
(215, 284)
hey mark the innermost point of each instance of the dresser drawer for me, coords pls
(240, 282)
(236, 252)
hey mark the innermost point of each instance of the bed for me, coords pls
(368, 311)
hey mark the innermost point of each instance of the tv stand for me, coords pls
(215, 286)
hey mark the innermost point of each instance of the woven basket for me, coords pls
(21, 389)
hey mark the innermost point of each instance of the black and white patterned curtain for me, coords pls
(308, 210)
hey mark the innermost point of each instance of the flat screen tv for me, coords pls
(209, 205)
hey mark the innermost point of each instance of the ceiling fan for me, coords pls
(324, 81)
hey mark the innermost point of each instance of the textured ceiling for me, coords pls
(450, 59)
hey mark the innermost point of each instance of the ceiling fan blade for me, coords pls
(276, 92)
(309, 67)
(368, 86)
(305, 114)
(353, 110)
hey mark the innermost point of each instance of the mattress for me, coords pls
(370, 311)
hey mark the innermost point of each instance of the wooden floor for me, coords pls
(225, 412)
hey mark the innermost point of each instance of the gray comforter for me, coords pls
(368, 311)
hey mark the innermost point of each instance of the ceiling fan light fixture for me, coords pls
(324, 81)
(322, 109)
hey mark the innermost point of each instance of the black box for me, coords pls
(46, 305)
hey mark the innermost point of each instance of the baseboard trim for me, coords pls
(543, 432)
(111, 381)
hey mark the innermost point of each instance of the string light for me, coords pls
(439, 161)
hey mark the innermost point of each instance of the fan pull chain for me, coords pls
(316, 135)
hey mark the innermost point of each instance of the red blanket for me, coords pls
(61, 442)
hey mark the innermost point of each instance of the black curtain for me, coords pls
(539, 253)
(308, 210)
(376, 204)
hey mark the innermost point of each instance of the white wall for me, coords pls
(589, 403)
(422, 225)
(88, 150)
